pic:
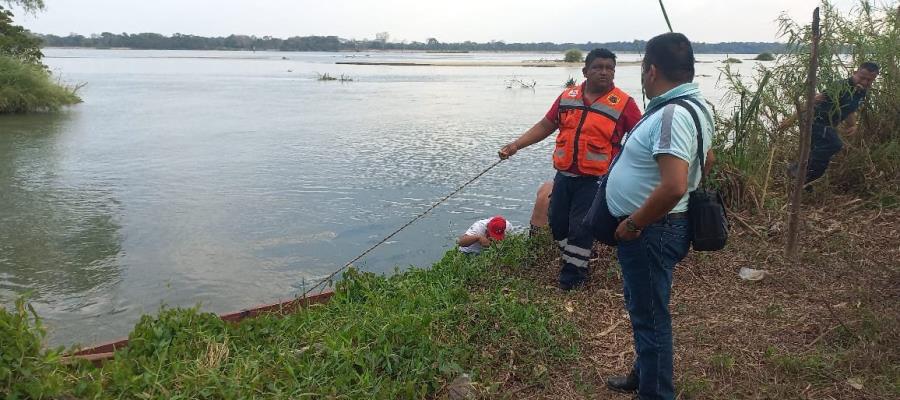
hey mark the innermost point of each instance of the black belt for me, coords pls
(668, 217)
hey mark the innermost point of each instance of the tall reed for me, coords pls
(754, 152)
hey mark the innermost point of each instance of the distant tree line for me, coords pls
(155, 41)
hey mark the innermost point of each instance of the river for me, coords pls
(229, 179)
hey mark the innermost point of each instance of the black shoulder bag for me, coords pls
(709, 224)
(706, 211)
(598, 220)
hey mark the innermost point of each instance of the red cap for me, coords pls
(496, 228)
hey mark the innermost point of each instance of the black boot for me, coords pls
(624, 384)
(572, 277)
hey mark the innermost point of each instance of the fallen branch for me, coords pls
(747, 226)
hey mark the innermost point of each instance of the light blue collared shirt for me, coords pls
(667, 131)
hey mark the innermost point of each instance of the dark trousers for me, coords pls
(825, 144)
(647, 265)
(569, 202)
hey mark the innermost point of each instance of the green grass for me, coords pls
(722, 362)
(862, 350)
(812, 367)
(29, 88)
(774, 310)
(403, 336)
(26, 369)
(690, 387)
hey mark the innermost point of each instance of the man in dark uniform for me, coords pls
(838, 105)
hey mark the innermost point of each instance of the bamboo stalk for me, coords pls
(752, 109)
(762, 198)
(665, 15)
(793, 229)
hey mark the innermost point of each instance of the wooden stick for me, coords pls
(747, 226)
(793, 229)
(762, 198)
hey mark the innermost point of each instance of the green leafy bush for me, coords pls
(27, 371)
(28, 87)
(573, 56)
(25, 83)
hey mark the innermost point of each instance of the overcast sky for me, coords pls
(416, 20)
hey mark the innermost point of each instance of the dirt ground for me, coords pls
(823, 328)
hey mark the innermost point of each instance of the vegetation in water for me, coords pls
(25, 83)
(764, 57)
(573, 56)
(327, 77)
(732, 60)
(26, 87)
(520, 83)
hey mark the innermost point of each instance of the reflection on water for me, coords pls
(60, 243)
(231, 179)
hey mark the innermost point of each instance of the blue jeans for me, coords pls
(647, 264)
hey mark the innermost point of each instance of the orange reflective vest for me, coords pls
(586, 133)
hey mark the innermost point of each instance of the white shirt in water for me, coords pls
(479, 228)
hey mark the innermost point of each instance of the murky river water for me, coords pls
(230, 179)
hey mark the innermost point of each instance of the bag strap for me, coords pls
(699, 127)
(627, 135)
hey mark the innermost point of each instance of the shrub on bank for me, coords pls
(28, 87)
(27, 370)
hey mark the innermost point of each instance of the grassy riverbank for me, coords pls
(404, 336)
(824, 328)
(26, 87)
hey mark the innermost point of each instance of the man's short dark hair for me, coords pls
(869, 66)
(598, 53)
(672, 55)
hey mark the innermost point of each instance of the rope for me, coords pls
(433, 206)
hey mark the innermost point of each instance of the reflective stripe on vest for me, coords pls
(586, 132)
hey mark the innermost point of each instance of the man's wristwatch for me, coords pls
(631, 226)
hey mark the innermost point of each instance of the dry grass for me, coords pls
(824, 329)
